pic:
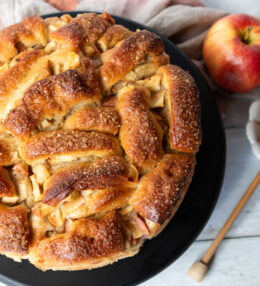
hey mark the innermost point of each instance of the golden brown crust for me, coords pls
(90, 203)
(136, 47)
(16, 75)
(46, 145)
(161, 189)
(155, 228)
(102, 119)
(49, 98)
(106, 200)
(5, 156)
(9, 154)
(72, 91)
(85, 28)
(140, 134)
(54, 23)
(88, 241)
(112, 36)
(102, 174)
(7, 188)
(16, 38)
(14, 231)
(183, 106)
(18, 69)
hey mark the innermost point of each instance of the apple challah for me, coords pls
(98, 140)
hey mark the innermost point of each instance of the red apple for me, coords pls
(231, 52)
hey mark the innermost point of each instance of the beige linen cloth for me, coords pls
(185, 22)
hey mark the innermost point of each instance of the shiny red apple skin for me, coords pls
(233, 64)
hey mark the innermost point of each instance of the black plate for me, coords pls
(188, 222)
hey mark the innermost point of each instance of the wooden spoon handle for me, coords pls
(212, 249)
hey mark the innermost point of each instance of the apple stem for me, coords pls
(246, 35)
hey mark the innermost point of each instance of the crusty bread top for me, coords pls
(136, 47)
(183, 109)
(116, 197)
(26, 68)
(9, 154)
(14, 230)
(161, 189)
(49, 97)
(140, 134)
(98, 136)
(85, 28)
(45, 145)
(17, 69)
(112, 36)
(102, 174)
(86, 240)
(16, 38)
(7, 188)
(103, 119)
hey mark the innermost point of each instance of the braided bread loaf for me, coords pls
(98, 140)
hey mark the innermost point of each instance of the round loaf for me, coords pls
(98, 140)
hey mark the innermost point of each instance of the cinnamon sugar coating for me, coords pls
(14, 231)
(98, 137)
(102, 174)
(45, 145)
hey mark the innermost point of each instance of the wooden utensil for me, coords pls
(199, 269)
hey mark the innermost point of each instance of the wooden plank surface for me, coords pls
(236, 263)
